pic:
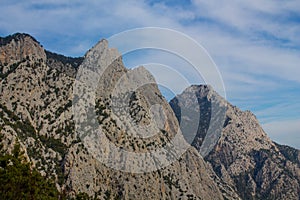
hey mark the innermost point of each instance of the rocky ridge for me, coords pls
(36, 110)
(244, 156)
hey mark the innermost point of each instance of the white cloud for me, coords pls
(284, 132)
(253, 16)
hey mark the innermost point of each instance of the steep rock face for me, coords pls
(201, 114)
(18, 47)
(124, 99)
(38, 97)
(244, 156)
(37, 93)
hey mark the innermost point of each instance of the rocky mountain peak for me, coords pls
(138, 121)
(241, 153)
(102, 52)
(39, 110)
(201, 114)
(201, 89)
(20, 46)
(16, 37)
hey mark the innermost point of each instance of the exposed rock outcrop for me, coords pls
(18, 47)
(37, 109)
(83, 121)
(243, 156)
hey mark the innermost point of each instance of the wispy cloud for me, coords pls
(255, 44)
(284, 132)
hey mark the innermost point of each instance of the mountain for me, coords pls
(243, 155)
(99, 130)
(42, 110)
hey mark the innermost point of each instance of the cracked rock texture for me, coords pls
(243, 156)
(81, 121)
(38, 106)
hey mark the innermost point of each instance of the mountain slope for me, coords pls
(243, 156)
(37, 110)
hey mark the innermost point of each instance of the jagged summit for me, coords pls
(38, 109)
(101, 54)
(242, 154)
(200, 87)
(37, 103)
(19, 47)
(201, 114)
(16, 37)
(203, 90)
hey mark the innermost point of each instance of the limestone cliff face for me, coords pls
(37, 109)
(17, 47)
(36, 102)
(42, 94)
(124, 100)
(243, 155)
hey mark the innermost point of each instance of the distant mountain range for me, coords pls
(230, 156)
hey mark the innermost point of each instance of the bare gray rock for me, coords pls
(37, 109)
(244, 156)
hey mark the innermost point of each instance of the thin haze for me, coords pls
(255, 44)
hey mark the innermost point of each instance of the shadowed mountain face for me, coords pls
(38, 110)
(243, 156)
(201, 114)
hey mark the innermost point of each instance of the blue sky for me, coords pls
(255, 44)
